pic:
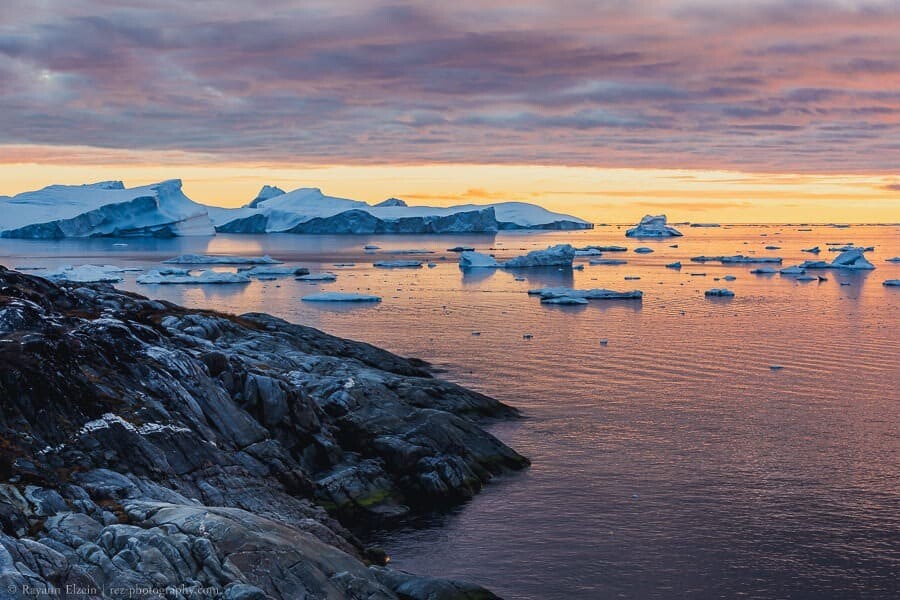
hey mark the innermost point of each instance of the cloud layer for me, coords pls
(789, 86)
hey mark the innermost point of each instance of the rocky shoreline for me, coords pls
(187, 453)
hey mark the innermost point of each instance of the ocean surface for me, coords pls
(671, 462)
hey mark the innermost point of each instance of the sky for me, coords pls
(735, 111)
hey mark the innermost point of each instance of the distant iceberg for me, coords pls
(103, 209)
(179, 277)
(652, 227)
(308, 210)
(852, 259)
(592, 294)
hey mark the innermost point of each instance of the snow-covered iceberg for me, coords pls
(560, 255)
(652, 227)
(222, 259)
(340, 297)
(592, 294)
(852, 259)
(183, 277)
(476, 260)
(308, 210)
(103, 209)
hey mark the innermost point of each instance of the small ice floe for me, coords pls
(317, 277)
(820, 278)
(631, 277)
(527, 336)
(674, 265)
(565, 300)
(895, 259)
(577, 268)
(840, 247)
(87, 274)
(643, 250)
(398, 264)
(729, 278)
(806, 278)
(411, 251)
(461, 249)
(587, 252)
(476, 333)
(208, 259)
(763, 271)
(371, 247)
(342, 265)
(607, 261)
(520, 279)
(852, 259)
(432, 265)
(477, 260)
(843, 283)
(737, 259)
(697, 274)
(592, 294)
(705, 225)
(608, 248)
(28, 268)
(673, 246)
(891, 282)
(794, 270)
(340, 297)
(652, 227)
(604, 342)
(776, 367)
(120, 244)
(263, 271)
(185, 278)
(773, 247)
(718, 293)
(813, 250)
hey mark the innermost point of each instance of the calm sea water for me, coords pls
(671, 462)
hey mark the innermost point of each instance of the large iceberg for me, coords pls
(852, 259)
(652, 227)
(103, 209)
(308, 210)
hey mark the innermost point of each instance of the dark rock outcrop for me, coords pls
(148, 445)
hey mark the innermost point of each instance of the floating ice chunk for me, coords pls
(28, 268)
(201, 278)
(560, 255)
(895, 259)
(411, 251)
(87, 274)
(813, 250)
(340, 297)
(592, 294)
(263, 271)
(477, 260)
(398, 264)
(652, 226)
(776, 367)
(371, 247)
(432, 265)
(643, 250)
(852, 259)
(773, 247)
(344, 265)
(815, 264)
(208, 259)
(718, 293)
(461, 249)
(631, 277)
(607, 261)
(891, 282)
(737, 259)
(794, 270)
(317, 277)
(674, 265)
(806, 278)
(729, 278)
(588, 252)
(705, 225)
(563, 300)
(606, 248)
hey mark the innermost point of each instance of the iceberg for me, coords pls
(560, 255)
(737, 259)
(477, 260)
(461, 249)
(674, 265)
(852, 259)
(180, 277)
(895, 259)
(652, 226)
(643, 250)
(729, 278)
(209, 259)
(587, 252)
(592, 294)
(263, 271)
(398, 264)
(267, 192)
(87, 274)
(340, 297)
(813, 250)
(308, 210)
(718, 293)
(317, 277)
(763, 271)
(106, 209)
(795, 270)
